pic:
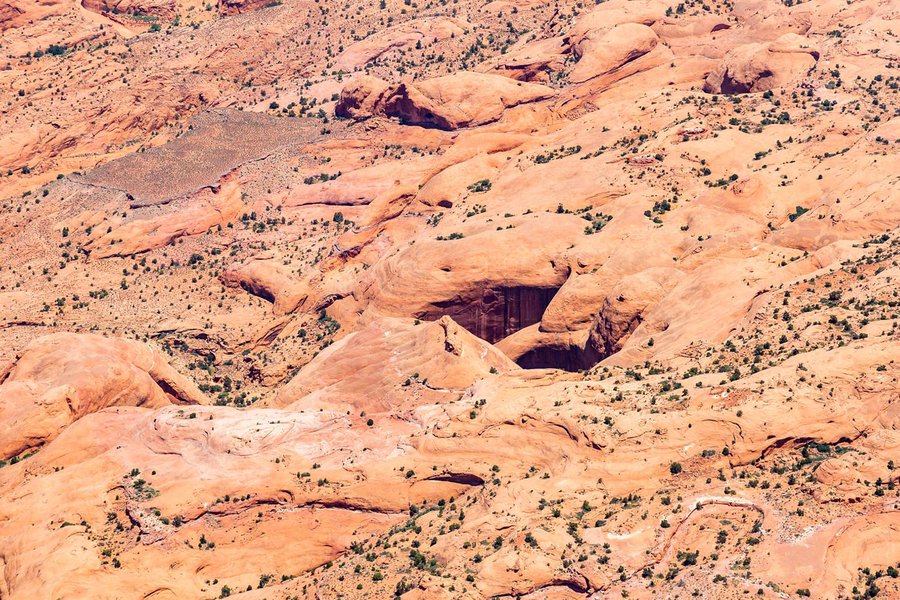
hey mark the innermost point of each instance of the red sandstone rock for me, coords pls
(63, 377)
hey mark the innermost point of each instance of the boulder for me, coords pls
(361, 97)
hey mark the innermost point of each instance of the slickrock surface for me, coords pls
(391, 298)
(463, 99)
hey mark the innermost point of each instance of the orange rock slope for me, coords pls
(449, 300)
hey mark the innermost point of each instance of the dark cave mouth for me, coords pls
(567, 358)
(498, 312)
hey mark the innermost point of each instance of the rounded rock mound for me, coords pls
(464, 99)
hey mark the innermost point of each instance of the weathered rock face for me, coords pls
(164, 9)
(623, 309)
(761, 67)
(534, 348)
(8, 12)
(268, 278)
(63, 377)
(489, 292)
(440, 356)
(361, 98)
(536, 61)
(399, 39)
(466, 336)
(600, 54)
(451, 102)
(203, 210)
(496, 313)
(236, 7)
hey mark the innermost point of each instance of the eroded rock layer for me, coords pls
(454, 300)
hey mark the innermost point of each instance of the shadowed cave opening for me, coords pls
(567, 358)
(498, 312)
(501, 311)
